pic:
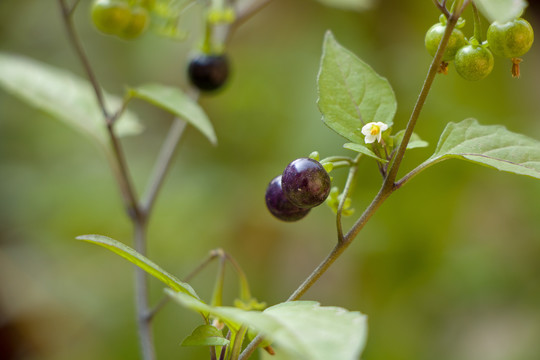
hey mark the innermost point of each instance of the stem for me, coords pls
(121, 172)
(163, 164)
(415, 172)
(442, 7)
(144, 317)
(237, 343)
(74, 6)
(477, 24)
(211, 256)
(118, 160)
(217, 296)
(76, 43)
(432, 72)
(243, 14)
(123, 178)
(346, 190)
(245, 293)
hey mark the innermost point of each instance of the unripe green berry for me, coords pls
(474, 62)
(137, 25)
(434, 36)
(110, 16)
(510, 39)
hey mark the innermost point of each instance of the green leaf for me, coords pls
(351, 93)
(299, 329)
(355, 5)
(176, 102)
(492, 146)
(363, 150)
(501, 10)
(141, 261)
(205, 335)
(414, 142)
(62, 95)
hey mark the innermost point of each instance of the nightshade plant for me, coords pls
(354, 101)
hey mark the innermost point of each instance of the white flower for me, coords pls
(373, 131)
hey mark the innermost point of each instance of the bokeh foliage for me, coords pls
(448, 268)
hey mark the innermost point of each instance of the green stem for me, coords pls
(217, 296)
(432, 72)
(405, 179)
(245, 293)
(163, 163)
(238, 339)
(477, 25)
(346, 190)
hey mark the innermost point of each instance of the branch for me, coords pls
(122, 175)
(346, 190)
(388, 186)
(163, 164)
(442, 7)
(245, 13)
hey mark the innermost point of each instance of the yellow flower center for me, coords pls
(375, 129)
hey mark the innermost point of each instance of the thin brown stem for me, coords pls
(141, 291)
(118, 159)
(243, 14)
(120, 168)
(124, 179)
(442, 7)
(76, 43)
(163, 164)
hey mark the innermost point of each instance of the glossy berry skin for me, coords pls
(306, 183)
(511, 39)
(434, 36)
(137, 25)
(278, 204)
(474, 62)
(208, 72)
(110, 16)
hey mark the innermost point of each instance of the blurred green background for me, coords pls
(447, 269)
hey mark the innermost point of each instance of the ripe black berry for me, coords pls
(208, 72)
(306, 183)
(278, 204)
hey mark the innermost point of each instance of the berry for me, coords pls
(148, 4)
(511, 39)
(306, 183)
(474, 62)
(110, 16)
(434, 36)
(278, 204)
(137, 25)
(208, 72)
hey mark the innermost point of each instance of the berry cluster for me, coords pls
(127, 20)
(474, 59)
(303, 185)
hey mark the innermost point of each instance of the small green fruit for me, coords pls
(434, 36)
(110, 16)
(510, 39)
(137, 25)
(474, 62)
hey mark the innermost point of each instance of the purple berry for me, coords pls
(306, 183)
(208, 72)
(278, 204)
